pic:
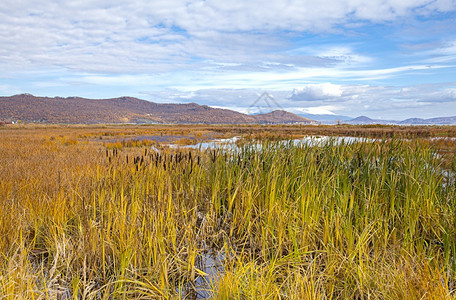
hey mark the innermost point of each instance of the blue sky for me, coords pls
(386, 59)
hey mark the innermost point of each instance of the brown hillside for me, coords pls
(29, 108)
(281, 117)
(75, 110)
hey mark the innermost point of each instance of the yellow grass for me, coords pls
(83, 219)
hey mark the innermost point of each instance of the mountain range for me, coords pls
(411, 121)
(76, 110)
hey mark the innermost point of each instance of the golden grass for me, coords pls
(80, 219)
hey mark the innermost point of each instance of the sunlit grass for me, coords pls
(365, 220)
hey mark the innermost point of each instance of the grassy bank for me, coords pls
(78, 219)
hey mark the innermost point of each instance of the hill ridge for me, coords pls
(363, 120)
(125, 109)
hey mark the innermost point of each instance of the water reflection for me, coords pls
(212, 264)
(231, 143)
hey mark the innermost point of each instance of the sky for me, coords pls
(386, 59)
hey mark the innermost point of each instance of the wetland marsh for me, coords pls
(89, 212)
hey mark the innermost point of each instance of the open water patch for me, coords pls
(212, 265)
(235, 143)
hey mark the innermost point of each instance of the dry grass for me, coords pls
(82, 220)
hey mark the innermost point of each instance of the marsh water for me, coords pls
(231, 143)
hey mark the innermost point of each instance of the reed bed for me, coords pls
(364, 220)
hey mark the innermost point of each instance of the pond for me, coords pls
(231, 143)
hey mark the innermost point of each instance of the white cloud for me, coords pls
(7, 89)
(385, 102)
(451, 93)
(319, 91)
(222, 52)
(339, 53)
(139, 36)
(445, 53)
(319, 110)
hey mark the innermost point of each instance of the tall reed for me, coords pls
(329, 221)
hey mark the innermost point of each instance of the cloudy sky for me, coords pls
(388, 59)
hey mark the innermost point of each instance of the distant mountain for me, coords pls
(282, 117)
(76, 110)
(327, 119)
(412, 121)
(363, 120)
(432, 121)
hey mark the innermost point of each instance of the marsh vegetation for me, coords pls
(82, 217)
